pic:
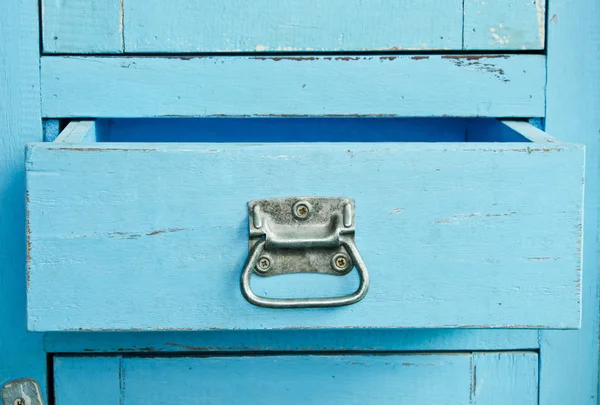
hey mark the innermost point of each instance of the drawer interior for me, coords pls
(484, 378)
(303, 130)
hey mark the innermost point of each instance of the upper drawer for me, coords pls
(461, 223)
(158, 26)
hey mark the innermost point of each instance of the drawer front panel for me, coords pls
(179, 26)
(154, 236)
(428, 378)
(402, 86)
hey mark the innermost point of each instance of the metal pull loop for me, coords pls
(276, 231)
(305, 302)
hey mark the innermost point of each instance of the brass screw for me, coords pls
(263, 264)
(340, 262)
(19, 401)
(302, 210)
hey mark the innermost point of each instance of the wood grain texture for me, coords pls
(428, 378)
(180, 26)
(82, 26)
(291, 25)
(21, 353)
(505, 24)
(505, 378)
(392, 379)
(165, 251)
(420, 86)
(569, 369)
(87, 380)
(287, 340)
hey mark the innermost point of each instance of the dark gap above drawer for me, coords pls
(305, 130)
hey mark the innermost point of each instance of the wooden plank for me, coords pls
(78, 132)
(569, 372)
(505, 378)
(82, 26)
(291, 25)
(420, 86)
(505, 24)
(530, 132)
(287, 340)
(333, 379)
(87, 380)
(21, 353)
(489, 130)
(172, 237)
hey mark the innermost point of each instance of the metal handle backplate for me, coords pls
(303, 235)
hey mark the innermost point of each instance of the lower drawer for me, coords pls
(429, 378)
(145, 224)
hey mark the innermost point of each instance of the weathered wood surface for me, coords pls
(227, 26)
(82, 26)
(21, 353)
(505, 378)
(402, 86)
(165, 251)
(569, 372)
(292, 25)
(429, 378)
(505, 25)
(87, 380)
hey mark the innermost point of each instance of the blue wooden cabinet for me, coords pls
(138, 139)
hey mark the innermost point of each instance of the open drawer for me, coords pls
(143, 224)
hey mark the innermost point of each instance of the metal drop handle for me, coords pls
(305, 302)
(328, 224)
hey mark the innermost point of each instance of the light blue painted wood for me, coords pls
(505, 378)
(297, 340)
(389, 379)
(505, 24)
(78, 132)
(291, 25)
(82, 26)
(569, 367)
(405, 86)
(423, 228)
(570, 359)
(21, 353)
(87, 380)
(489, 130)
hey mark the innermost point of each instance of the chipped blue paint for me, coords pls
(568, 359)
